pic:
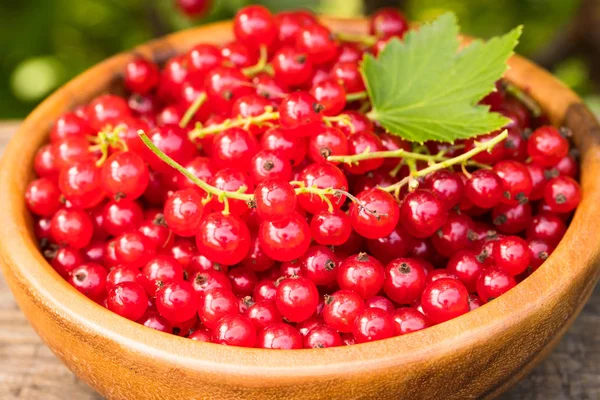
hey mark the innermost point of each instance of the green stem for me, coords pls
(261, 66)
(201, 132)
(461, 159)
(357, 96)
(192, 110)
(367, 40)
(524, 98)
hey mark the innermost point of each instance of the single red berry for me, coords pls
(331, 95)
(546, 146)
(546, 226)
(404, 280)
(89, 279)
(141, 76)
(321, 337)
(194, 8)
(68, 152)
(538, 180)
(125, 175)
(291, 147)
(224, 239)
(297, 298)
(440, 273)
(329, 141)
(243, 280)
(397, 244)
(263, 314)
(567, 166)
(511, 219)
(234, 148)
(445, 299)
(231, 180)
(119, 275)
(71, 228)
(494, 282)
(380, 302)
(291, 67)
(121, 217)
(373, 324)
(486, 157)
(318, 42)
(264, 290)
(160, 270)
(235, 330)
(407, 320)
(177, 301)
(466, 265)
(511, 253)
(289, 23)
(81, 183)
(422, 213)
(448, 186)
(341, 309)
(155, 321)
(134, 249)
(562, 194)
(455, 235)
(362, 274)
(285, 239)
(45, 163)
(106, 109)
(215, 304)
(183, 212)
(348, 74)
(172, 141)
(267, 165)
(239, 55)
(43, 197)
(69, 125)
(359, 143)
(224, 86)
(128, 299)
(388, 22)
(540, 251)
(300, 110)
(322, 176)
(331, 228)
(320, 265)
(254, 26)
(65, 260)
(274, 199)
(279, 336)
(375, 215)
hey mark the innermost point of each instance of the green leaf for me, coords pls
(424, 88)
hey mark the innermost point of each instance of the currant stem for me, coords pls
(200, 132)
(220, 194)
(367, 40)
(192, 110)
(524, 98)
(357, 96)
(400, 153)
(461, 159)
(105, 140)
(261, 66)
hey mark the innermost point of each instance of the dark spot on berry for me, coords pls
(268, 165)
(325, 152)
(200, 279)
(404, 268)
(251, 204)
(301, 58)
(227, 95)
(506, 194)
(527, 132)
(543, 255)
(560, 198)
(551, 173)
(362, 257)
(80, 276)
(120, 196)
(318, 107)
(327, 299)
(500, 220)
(472, 236)
(565, 132)
(521, 198)
(160, 220)
(510, 144)
(329, 265)
(176, 331)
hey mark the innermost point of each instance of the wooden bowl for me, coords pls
(479, 354)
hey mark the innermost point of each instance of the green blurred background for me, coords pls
(44, 43)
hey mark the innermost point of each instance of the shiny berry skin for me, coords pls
(291, 147)
(546, 146)
(89, 279)
(329, 141)
(562, 194)
(291, 67)
(206, 280)
(172, 141)
(215, 304)
(286, 239)
(300, 110)
(43, 197)
(331, 95)
(511, 219)
(69, 151)
(267, 87)
(264, 290)
(270, 165)
(380, 302)
(234, 148)
(254, 26)
(466, 265)
(486, 157)
(81, 183)
(546, 226)
(447, 185)
(242, 281)
(274, 200)
(322, 176)
(407, 320)
(68, 125)
(71, 228)
(160, 270)
(141, 76)
(567, 166)
(125, 175)
(64, 260)
(183, 212)
(540, 251)
(454, 235)
(404, 280)
(133, 249)
(297, 298)
(359, 143)
(128, 299)
(376, 215)
(444, 299)
(279, 336)
(201, 335)
(44, 163)
(201, 59)
(341, 309)
(422, 213)
(106, 109)
(516, 181)
(177, 302)
(538, 180)
(348, 74)
(373, 324)
(263, 314)
(290, 269)
(183, 250)
(362, 274)
(330, 229)
(440, 273)
(231, 180)
(515, 145)
(239, 55)
(119, 275)
(397, 244)
(202, 168)
(511, 253)
(388, 22)
(235, 330)
(256, 259)
(224, 86)
(194, 8)
(494, 282)
(121, 217)
(223, 239)
(322, 336)
(317, 41)
(320, 265)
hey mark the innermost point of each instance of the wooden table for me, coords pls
(29, 370)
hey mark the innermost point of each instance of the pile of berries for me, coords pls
(239, 196)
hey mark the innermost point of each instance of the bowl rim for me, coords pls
(34, 275)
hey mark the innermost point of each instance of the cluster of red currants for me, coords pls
(284, 227)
